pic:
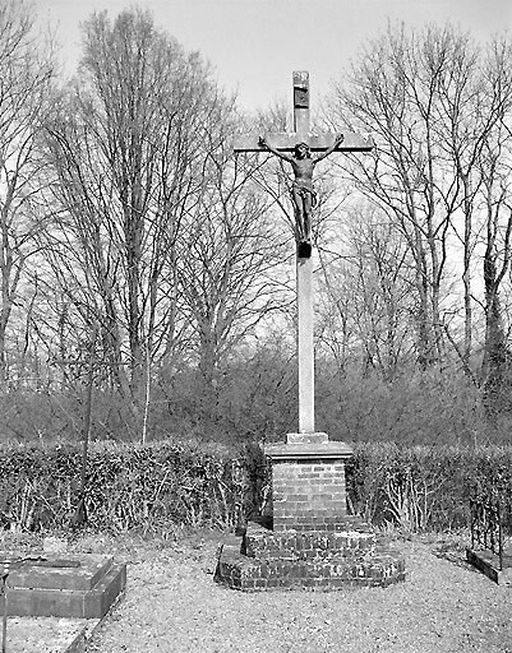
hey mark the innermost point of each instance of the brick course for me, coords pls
(355, 537)
(364, 568)
(308, 494)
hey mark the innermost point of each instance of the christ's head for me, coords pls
(302, 151)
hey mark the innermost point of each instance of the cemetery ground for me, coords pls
(173, 604)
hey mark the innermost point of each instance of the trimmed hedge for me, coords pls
(149, 488)
(425, 488)
(156, 487)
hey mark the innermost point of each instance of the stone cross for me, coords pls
(302, 142)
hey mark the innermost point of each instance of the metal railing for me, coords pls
(491, 526)
(486, 527)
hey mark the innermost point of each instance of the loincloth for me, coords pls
(305, 191)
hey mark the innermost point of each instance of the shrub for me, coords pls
(425, 488)
(148, 488)
(159, 486)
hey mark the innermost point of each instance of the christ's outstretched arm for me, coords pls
(337, 141)
(263, 143)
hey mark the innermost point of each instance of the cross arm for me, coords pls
(286, 142)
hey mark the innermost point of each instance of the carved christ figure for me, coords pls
(303, 193)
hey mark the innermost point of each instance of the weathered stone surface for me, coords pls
(310, 451)
(83, 577)
(318, 437)
(85, 592)
(314, 543)
(286, 142)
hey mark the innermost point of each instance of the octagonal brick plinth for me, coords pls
(314, 560)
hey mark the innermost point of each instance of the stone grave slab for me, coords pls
(82, 586)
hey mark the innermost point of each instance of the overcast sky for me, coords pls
(255, 45)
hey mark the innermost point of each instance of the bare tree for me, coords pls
(405, 91)
(383, 298)
(366, 292)
(471, 105)
(127, 142)
(494, 166)
(228, 252)
(26, 75)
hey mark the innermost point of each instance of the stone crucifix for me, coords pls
(296, 149)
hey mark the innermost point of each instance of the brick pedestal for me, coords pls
(314, 543)
(308, 482)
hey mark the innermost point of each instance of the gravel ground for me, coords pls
(41, 634)
(173, 605)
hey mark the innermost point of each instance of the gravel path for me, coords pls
(41, 634)
(173, 605)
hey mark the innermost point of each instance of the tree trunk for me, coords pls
(496, 365)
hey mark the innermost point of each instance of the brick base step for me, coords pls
(250, 574)
(352, 538)
(240, 565)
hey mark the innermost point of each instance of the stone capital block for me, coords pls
(307, 438)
